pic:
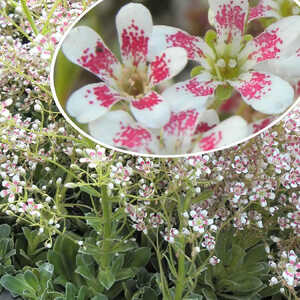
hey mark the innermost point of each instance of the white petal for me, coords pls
(230, 131)
(151, 110)
(266, 93)
(178, 132)
(118, 129)
(276, 41)
(91, 101)
(134, 25)
(287, 68)
(190, 94)
(167, 65)
(164, 37)
(229, 18)
(264, 9)
(84, 47)
(260, 124)
(208, 119)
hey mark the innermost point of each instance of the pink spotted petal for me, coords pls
(275, 42)
(91, 102)
(287, 67)
(260, 124)
(208, 120)
(228, 132)
(229, 18)
(177, 133)
(84, 47)
(134, 25)
(151, 110)
(118, 129)
(164, 37)
(264, 9)
(191, 94)
(265, 92)
(167, 65)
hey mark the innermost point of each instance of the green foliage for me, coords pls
(242, 272)
(63, 258)
(35, 284)
(7, 251)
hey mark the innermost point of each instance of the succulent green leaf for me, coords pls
(32, 280)
(140, 257)
(4, 231)
(16, 285)
(106, 278)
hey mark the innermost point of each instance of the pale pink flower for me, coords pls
(200, 220)
(94, 157)
(12, 188)
(291, 273)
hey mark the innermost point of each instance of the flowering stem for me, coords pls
(44, 30)
(106, 210)
(181, 274)
(29, 17)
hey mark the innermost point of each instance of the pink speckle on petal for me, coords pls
(159, 69)
(268, 44)
(261, 125)
(230, 17)
(257, 87)
(203, 127)
(298, 52)
(134, 44)
(259, 11)
(298, 88)
(147, 102)
(210, 142)
(199, 88)
(132, 138)
(181, 122)
(188, 42)
(100, 61)
(104, 96)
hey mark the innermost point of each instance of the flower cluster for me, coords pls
(185, 117)
(53, 181)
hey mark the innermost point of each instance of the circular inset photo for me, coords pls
(177, 78)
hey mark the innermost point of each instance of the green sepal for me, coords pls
(223, 92)
(196, 71)
(210, 37)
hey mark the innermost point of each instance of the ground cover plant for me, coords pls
(82, 222)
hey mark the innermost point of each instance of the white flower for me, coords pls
(187, 131)
(131, 81)
(263, 91)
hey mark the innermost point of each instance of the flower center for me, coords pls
(133, 82)
(225, 68)
(226, 65)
